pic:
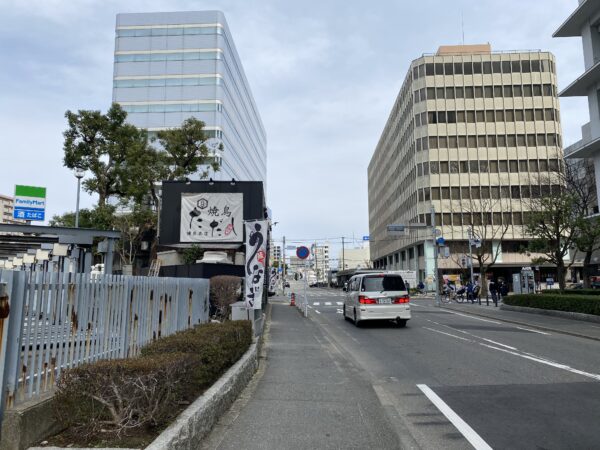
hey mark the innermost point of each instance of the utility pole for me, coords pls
(283, 267)
(316, 263)
(436, 283)
(470, 233)
(343, 254)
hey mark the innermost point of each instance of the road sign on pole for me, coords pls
(397, 230)
(302, 252)
(30, 203)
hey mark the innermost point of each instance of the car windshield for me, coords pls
(383, 283)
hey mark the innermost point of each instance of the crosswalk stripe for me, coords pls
(316, 303)
(339, 303)
(327, 303)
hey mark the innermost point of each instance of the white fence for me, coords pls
(54, 321)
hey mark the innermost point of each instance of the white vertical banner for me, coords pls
(256, 259)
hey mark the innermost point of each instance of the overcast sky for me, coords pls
(324, 75)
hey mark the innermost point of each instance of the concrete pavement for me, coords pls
(306, 396)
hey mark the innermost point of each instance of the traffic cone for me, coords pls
(293, 300)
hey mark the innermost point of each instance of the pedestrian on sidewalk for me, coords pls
(494, 291)
(503, 289)
(470, 291)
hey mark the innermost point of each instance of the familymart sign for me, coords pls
(30, 203)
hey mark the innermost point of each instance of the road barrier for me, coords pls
(53, 321)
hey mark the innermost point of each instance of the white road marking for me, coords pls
(473, 335)
(317, 311)
(339, 311)
(476, 318)
(538, 359)
(339, 303)
(469, 433)
(327, 303)
(534, 331)
(317, 303)
(448, 334)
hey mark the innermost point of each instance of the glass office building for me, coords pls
(175, 65)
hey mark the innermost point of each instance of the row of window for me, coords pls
(481, 218)
(487, 192)
(168, 31)
(490, 116)
(487, 166)
(162, 82)
(173, 107)
(454, 92)
(483, 67)
(168, 56)
(491, 140)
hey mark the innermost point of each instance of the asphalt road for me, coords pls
(449, 380)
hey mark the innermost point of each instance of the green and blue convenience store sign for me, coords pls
(30, 203)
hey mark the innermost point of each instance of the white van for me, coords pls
(377, 296)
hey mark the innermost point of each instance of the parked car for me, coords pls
(377, 296)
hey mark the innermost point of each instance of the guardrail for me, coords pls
(54, 321)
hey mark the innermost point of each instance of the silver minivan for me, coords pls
(377, 296)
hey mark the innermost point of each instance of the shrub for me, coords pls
(224, 290)
(115, 396)
(559, 302)
(572, 292)
(214, 346)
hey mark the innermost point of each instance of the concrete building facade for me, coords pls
(474, 134)
(175, 65)
(584, 22)
(355, 258)
(7, 205)
(321, 264)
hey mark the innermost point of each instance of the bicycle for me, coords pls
(448, 295)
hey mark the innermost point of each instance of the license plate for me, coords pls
(385, 301)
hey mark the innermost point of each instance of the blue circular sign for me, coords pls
(302, 252)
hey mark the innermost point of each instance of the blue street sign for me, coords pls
(28, 213)
(365, 238)
(440, 241)
(302, 252)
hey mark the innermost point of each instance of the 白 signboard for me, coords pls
(30, 203)
(212, 217)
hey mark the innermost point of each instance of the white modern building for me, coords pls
(175, 65)
(585, 24)
(355, 258)
(321, 261)
(7, 205)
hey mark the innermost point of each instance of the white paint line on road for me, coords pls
(327, 303)
(534, 331)
(339, 303)
(448, 334)
(317, 303)
(469, 433)
(541, 360)
(473, 335)
(475, 318)
(339, 311)
(317, 311)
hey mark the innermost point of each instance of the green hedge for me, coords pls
(117, 397)
(572, 291)
(589, 304)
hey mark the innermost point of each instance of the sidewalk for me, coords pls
(572, 327)
(304, 396)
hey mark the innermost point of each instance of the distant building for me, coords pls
(355, 258)
(583, 22)
(7, 205)
(275, 254)
(321, 261)
(473, 134)
(175, 65)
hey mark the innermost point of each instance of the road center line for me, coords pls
(317, 311)
(463, 427)
(547, 362)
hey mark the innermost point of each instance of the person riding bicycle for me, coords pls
(469, 290)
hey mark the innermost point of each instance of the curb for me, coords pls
(555, 313)
(525, 324)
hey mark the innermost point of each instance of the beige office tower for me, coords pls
(474, 134)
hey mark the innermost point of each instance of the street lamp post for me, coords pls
(79, 173)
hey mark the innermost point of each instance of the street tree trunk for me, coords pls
(586, 270)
